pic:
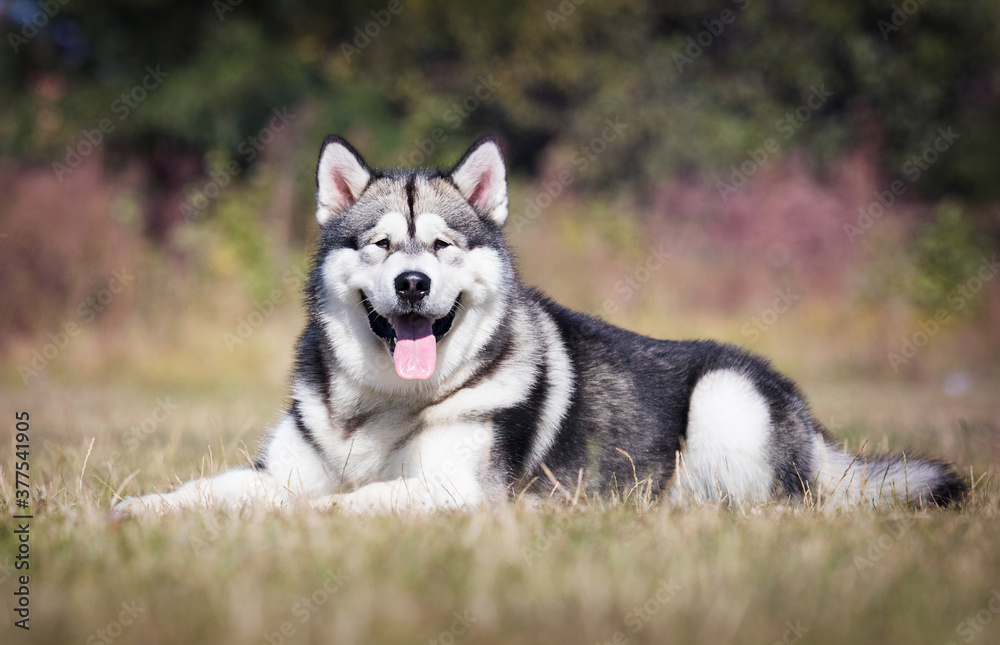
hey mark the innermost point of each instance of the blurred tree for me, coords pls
(946, 255)
(697, 84)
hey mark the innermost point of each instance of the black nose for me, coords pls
(412, 286)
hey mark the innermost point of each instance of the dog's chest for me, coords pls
(370, 438)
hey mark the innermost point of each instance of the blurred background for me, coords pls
(816, 181)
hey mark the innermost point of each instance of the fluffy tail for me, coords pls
(843, 478)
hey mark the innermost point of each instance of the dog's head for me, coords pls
(413, 275)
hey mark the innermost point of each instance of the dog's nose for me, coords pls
(412, 286)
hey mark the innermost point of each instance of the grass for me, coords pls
(602, 573)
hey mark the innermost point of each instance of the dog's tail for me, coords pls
(843, 478)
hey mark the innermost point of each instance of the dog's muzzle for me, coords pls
(412, 337)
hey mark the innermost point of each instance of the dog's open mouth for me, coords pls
(412, 338)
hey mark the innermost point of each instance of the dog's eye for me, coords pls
(440, 244)
(383, 244)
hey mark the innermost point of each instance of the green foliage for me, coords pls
(946, 254)
(243, 245)
(693, 101)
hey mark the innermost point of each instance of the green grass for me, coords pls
(601, 573)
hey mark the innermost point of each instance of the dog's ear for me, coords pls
(341, 176)
(481, 177)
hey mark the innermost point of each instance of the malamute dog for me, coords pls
(428, 376)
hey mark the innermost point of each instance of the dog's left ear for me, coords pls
(341, 176)
(481, 177)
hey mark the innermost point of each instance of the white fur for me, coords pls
(430, 227)
(841, 478)
(560, 392)
(348, 460)
(294, 463)
(439, 468)
(392, 225)
(723, 458)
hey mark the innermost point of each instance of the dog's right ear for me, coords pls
(481, 177)
(341, 176)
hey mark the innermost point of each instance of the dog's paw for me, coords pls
(147, 505)
(325, 503)
(347, 504)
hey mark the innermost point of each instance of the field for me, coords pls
(607, 571)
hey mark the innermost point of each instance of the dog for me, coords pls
(429, 377)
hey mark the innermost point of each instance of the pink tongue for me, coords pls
(416, 349)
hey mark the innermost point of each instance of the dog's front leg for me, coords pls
(441, 468)
(233, 488)
(405, 494)
(292, 469)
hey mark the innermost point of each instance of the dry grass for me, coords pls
(554, 576)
